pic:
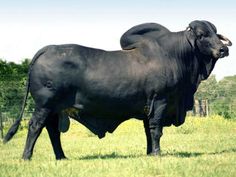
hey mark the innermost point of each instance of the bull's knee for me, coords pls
(38, 119)
(35, 125)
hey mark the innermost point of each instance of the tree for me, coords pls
(225, 103)
(12, 86)
(207, 89)
(220, 95)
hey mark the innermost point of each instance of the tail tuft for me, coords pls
(12, 131)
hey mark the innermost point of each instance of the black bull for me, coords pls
(152, 79)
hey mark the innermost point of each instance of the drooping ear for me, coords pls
(194, 24)
(140, 33)
(191, 29)
(195, 29)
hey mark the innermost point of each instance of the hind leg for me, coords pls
(54, 134)
(36, 124)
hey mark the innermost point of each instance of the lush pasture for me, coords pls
(201, 147)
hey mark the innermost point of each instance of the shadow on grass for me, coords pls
(114, 155)
(196, 154)
(108, 156)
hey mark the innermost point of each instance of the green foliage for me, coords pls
(12, 86)
(226, 101)
(221, 95)
(201, 147)
(207, 89)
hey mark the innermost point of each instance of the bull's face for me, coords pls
(207, 40)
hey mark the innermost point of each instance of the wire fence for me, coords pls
(12, 91)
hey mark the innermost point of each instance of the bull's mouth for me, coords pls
(222, 55)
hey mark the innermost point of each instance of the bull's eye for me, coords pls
(200, 36)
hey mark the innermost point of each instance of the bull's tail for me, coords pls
(12, 131)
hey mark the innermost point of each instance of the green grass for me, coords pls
(201, 147)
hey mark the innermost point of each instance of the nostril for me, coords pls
(222, 50)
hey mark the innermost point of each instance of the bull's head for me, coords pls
(204, 37)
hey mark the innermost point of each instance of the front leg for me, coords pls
(153, 136)
(153, 127)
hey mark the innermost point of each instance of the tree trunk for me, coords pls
(1, 125)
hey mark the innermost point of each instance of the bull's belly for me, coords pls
(102, 117)
(108, 108)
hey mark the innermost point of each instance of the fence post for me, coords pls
(196, 109)
(201, 108)
(1, 125)
(207, 108)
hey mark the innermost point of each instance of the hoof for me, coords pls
(61, 158)
(155, 153)
(26, 156)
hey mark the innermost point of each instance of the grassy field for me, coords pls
(201, 147)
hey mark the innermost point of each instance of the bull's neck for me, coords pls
(199, 65)
(178, 46)
(180, 49)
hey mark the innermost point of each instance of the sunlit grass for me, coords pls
(201, 147)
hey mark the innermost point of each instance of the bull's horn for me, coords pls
(188, 28)
(221, 37)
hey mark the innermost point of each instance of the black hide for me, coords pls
(153, 79)
(111, 87)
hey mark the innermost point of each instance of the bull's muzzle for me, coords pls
(223, 52)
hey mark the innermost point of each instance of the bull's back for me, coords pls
(66, 74)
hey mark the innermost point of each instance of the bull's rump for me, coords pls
(102, 82)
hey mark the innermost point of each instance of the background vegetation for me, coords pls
(220, 95)
(12, 88)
